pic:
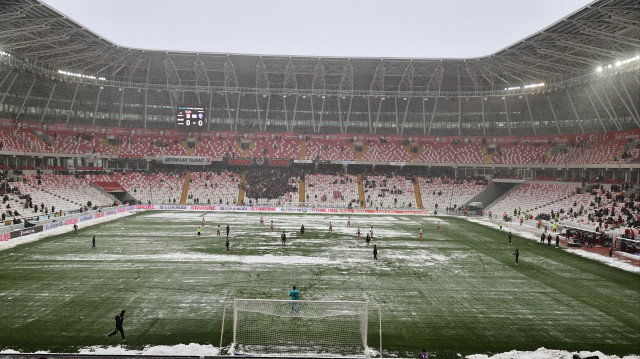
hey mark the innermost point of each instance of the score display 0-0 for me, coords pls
(191, 117)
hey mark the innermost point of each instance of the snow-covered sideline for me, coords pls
(543, 353)
(529, 232)
(60, 230)
(194, 349)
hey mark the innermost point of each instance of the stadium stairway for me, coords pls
(495, 191)
(38, 139)
(414, 156)
(185, 188)
(243, 183)
(416, 190)
(302, 194)
(361, 192)
(303, 150)
(365, 148)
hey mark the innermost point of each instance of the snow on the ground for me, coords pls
(201, 257)
(194, 349)
(543, 353)
(529, 232)
(60, 230)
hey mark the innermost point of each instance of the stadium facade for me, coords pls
(55, 71)
(578, 79)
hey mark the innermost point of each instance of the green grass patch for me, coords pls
(457, 291)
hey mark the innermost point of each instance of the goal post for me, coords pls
(263, 326)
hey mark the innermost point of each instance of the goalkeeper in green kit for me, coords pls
(294, 294)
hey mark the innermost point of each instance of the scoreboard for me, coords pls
(191, 117)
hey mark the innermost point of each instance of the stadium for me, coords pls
(501, 194)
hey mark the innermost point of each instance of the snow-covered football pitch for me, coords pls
(456, 292)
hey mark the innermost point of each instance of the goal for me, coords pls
(299, 327)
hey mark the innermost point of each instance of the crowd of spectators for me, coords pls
(270, 183)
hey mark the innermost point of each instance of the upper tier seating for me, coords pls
(331, 150)
(451, 153)
(600, 152)
(217, 147)
(142, 145)
(520, 154)
(384, 152)
(273, 147)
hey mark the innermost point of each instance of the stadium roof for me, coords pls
(599, 34)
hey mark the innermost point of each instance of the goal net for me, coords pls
(301, 326)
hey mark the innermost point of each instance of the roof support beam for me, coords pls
(95, 109)
(46, 107)
(554, 114)
(26, 97)
(433, 114)
(8, 88)
(578, 120)
(624, 102)
(633, 103)
(73, 101)
(611, 116)
(533, 127)
(593, 105)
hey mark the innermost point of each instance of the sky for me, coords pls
(327, 28)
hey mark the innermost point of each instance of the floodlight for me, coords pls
(599, 69)
(618, 63)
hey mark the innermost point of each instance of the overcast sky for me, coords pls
(344, 28)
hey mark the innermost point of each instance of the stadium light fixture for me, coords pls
(512, 88)
(618, 63)
(635, 58)
(2, 53)
(76, 74)
(534, 85)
